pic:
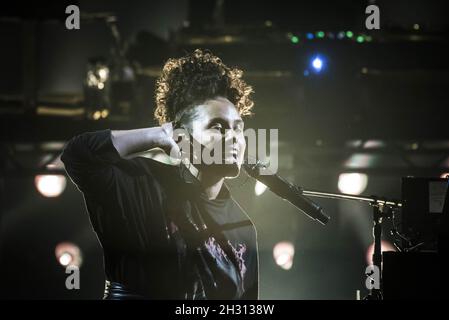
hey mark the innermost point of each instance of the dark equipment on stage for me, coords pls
(424, 213)
(417, 272)
(413, 275)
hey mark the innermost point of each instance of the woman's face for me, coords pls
(218, 127)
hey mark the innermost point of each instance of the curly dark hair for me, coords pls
(195, 78)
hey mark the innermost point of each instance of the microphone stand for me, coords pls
(382, 208)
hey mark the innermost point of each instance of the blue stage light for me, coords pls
(317, 63)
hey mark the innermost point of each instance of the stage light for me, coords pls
(352, 183)
(96, 115)
(68, 254)
(50, 185)
(97, 75)
(294, 39)
(259, 188)
(104, 113)
(283, 253)
(317, 63)
(320, 34)
(360, 39)
(349, 34)
(384, 245)
(309, 36)
(416, 27)
(103, 73)
(65, 259)
(341, 35)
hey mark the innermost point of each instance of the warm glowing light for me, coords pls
(103, 74)
(283, 253)
(104, 113)
(68, 254)
(50, 185)
(65, 259)
(96, 115)
(352, 183)
(385, 246)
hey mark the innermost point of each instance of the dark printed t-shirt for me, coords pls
(161, 237)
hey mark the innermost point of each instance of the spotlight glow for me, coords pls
(259, 188)
(96, 115)
(352, 183)
(103, 73)
(68, 254)
(283, 253)
(104, 113)
(317, 63)
(50, 185)
(65, 259)
(385, 246)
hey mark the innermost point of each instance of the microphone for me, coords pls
(287, 191)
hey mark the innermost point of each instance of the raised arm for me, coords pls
(89, 158)
(128, 142)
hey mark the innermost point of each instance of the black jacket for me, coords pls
(162, 239)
